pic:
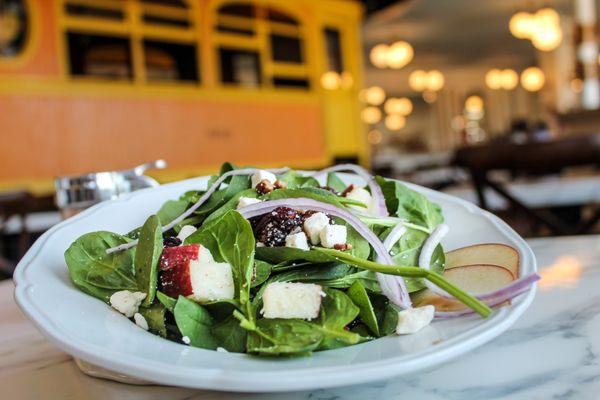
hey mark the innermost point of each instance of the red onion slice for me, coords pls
(209, 192)
(394, 289)
(363, 173)
(389, 242)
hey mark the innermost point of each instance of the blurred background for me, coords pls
(496, 101)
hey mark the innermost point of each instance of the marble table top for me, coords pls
(552, 352)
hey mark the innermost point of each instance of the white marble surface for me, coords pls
(553, 351)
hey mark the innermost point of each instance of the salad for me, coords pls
(283, 263)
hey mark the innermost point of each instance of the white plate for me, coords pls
(88, 329)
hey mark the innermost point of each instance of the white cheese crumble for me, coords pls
(140, 321)
(261, 175)
(292, 300)
(186, 340)
(222, 350)
(332, 235)
(314, 224)
(413, 320)
(297, 240)
(185, 232)
(211, 280)
(362, 195)
(246, 201)
(127, 302)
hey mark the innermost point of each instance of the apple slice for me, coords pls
(475, 279)
(488, 253)
(191, 271)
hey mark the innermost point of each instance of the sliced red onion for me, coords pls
(209, 192)
(363, 173)
(389, 242)
(509, 292)
(427, 253)
(394, 289)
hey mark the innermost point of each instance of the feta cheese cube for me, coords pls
(211, 280)
(186, 231)
(362, 195)
(127, 302)
(332, 235)
(246, 201)
(297, 240)
(292, 300)
(314, 224)
(140, 321)
(413, 320)
(261, 175)
(186, 340)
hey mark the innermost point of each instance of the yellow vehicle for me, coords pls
(105, 84)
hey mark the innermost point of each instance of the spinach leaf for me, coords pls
(221, 309)
(235, 184)
(230, 239)
(359, 296)
(194, 322)
(406, 253)
(337, 311)
(147, 256)
(230, 335)
(294, 180)
(335, 182)
(155, 316)
(262, 271)
(314, 193)
(332, 275)
(97, 273)
(284, 337)
(167, 213)
(166, 301)
(231, 204)
(410, 205)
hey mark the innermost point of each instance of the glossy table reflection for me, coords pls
(552, 352)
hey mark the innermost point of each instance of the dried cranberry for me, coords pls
(272, 228)
(347, 190)
(171, 241)
(342, 246)
(330, 189)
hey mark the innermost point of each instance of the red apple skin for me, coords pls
(174, 268)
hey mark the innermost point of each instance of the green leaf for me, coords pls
(284, 337)
(337, 311)
(231, 204)
(166, 301)
(167, 213)
(262, 271)
(230, 335)
(230, 239)
(194, 322)
(147, 256)
(155, 316)
(97, 273)
(410, 205)
(335, 182)
(406, 253)
(221, 309)
(314, 193)
(294, 180)
(359, 296)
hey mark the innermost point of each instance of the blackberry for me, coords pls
(272, 228)
(171, 241)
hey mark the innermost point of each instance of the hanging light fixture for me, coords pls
(371, 115)
(331, 80)
(542, 28)
(474, 104)
(401, 106)
(399, 54)
(435, 81)
(493, 79)
(418, 80)
(378, 55)
(509, 79)
(374, 95)
(395, 122)
(532, 79)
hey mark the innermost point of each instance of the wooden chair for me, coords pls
(532, 159)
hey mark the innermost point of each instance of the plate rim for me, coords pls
(274, 381)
